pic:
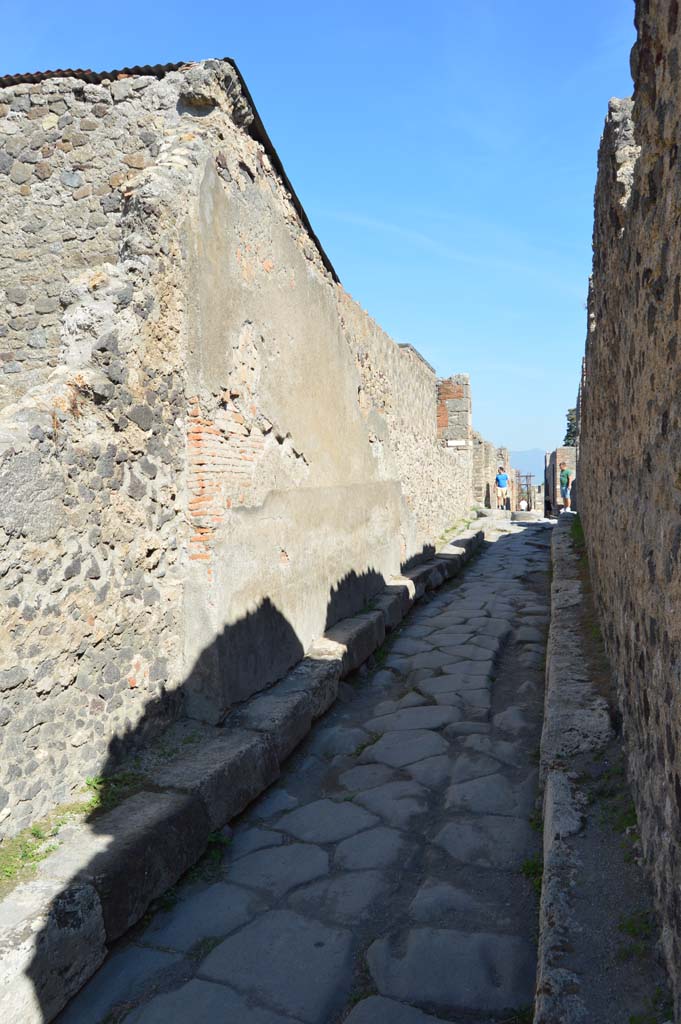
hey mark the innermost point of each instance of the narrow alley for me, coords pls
(389, 877)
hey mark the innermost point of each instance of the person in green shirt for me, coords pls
(566, 480)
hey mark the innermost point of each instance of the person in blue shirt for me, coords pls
(502, 488)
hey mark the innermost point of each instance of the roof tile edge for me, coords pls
(257, 128)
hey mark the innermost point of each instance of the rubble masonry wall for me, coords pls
(629, 471)
(208, 452)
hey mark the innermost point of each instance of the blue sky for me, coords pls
(445, 153)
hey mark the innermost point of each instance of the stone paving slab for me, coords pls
(296, 965)
(251, 839)
(397, 803)
(448, 684)
(210, 912)
(436, 900)
(453, 969)
(326, 821)
(377, 848)
(344, 899)
(471, 698)
(342, 740)
(410, 719)
(400, 749)
(366, 777)
(391, 844)
(502, 750)
(377, 1010)
(488, 841)
(433, 772)
(123, 977)
(204, 1001)
(274, 802)
(492, 794)
(280, 869)
(474, 766)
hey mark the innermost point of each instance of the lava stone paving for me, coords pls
(381, 880)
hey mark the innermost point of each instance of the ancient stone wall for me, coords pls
(485, 466)
(91, 432)
(208, 452)
(401, 401)
(629, 468)
(553, 460)
(487, 458)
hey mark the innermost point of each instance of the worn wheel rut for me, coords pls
(387, 877)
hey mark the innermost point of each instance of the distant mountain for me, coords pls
(531, 461)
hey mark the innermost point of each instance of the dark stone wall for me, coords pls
(629, 467)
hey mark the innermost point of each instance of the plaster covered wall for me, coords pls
(208, 452)
(629, 469)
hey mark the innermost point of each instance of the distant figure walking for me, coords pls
(502, 488)
(566, 480)
(523, 505)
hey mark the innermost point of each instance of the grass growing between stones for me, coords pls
(380, 654)
(208, 867)
(610, 789)
(523, 1015)
(458, 527)
(533, 870)
(639, 927)
(660, 1009)
(537, 821)
(20, 855)
(365, 992)
(203, 947)
(374, 737)
(107, 791)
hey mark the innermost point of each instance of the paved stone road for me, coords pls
(379, 881)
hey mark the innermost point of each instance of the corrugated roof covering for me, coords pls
(257, 128)
(32, 77)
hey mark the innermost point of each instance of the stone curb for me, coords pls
(576, 720)
(55, 929)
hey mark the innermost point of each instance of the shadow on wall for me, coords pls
(352, 593)
(122, 859)
(488, 496)
(426, 552)
(261, 645)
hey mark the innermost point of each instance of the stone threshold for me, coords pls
(56, 929)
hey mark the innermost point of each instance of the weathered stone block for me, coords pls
(132, 854)
(437, 576)
(450, 563)
(318, 676)
(394, 603)
(227, 772)
(285, 717)
(51, 940)
(361, 636)
(420, 576)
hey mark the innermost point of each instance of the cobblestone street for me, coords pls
(387, 877)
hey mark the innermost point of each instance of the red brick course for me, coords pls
(222, 458)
